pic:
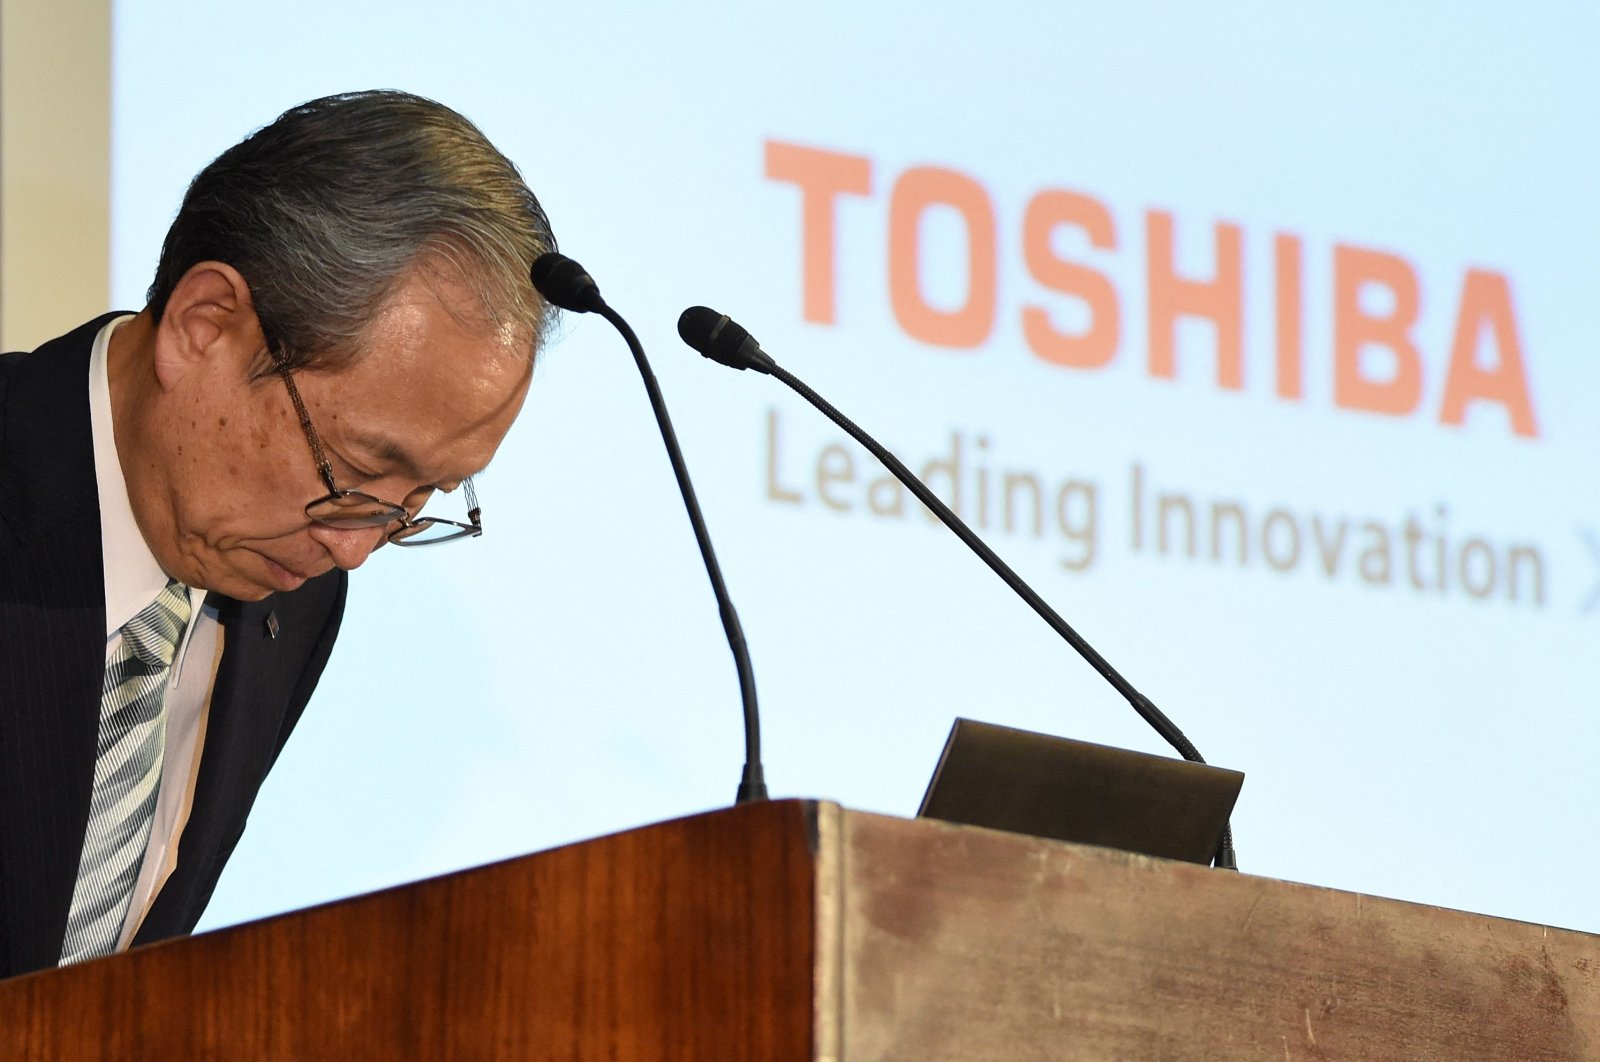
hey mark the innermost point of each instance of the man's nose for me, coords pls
(349, 547)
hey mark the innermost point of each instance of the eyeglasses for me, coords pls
(349, 510)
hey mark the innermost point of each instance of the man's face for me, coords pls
(423, 408)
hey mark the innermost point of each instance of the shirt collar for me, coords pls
(132, 576)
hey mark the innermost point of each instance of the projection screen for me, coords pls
(1259, 338)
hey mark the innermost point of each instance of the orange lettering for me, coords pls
(823, 176)
(1172, 296)
(1097, 345)
(918, 189)
(1486, 300)
(1354, 329)
(1286, 260)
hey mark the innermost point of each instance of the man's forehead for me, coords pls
(426, 309)
(427, 399)
(468, 296)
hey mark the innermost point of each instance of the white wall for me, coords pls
(55, 166)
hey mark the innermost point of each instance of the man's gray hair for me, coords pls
(327, 211)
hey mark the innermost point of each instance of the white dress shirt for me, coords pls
(133, 579)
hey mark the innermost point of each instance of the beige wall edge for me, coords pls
(55, 166)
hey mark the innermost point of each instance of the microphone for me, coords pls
(720, 338)
(565, 283)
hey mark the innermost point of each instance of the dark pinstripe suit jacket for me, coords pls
(52, 660)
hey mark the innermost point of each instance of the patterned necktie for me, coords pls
(127, 775)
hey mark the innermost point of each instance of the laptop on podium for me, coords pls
(1023, 782)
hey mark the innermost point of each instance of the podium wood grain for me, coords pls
(659, 943)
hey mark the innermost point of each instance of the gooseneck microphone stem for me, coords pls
(565, 283)
(752, 785)
(719, 338)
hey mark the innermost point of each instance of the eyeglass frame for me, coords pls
(409, 525)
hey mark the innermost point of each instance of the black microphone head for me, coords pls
(721, 338)
(565, 283)
(699, 326)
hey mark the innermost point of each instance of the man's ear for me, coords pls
(208, 315)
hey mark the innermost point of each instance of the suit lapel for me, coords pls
(242, 725)
(52, 639)
(262, 684)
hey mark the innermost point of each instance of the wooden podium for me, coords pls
(798, 930)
